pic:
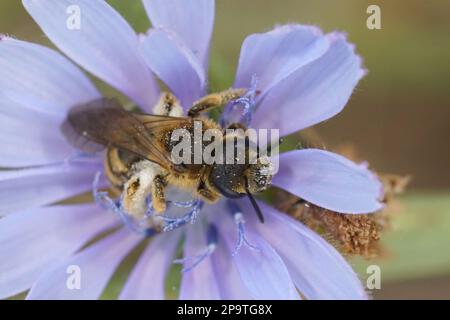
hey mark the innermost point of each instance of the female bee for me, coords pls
(139, 162)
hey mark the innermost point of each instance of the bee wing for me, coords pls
(78, 140)
(92, 126)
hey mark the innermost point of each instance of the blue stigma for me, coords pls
(240, 223)
(189, 217)
(212, 239)
(184, 204)
(140, 226)
(104, 200)
(241, 109)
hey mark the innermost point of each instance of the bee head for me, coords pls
(236, 180)
(246, 171)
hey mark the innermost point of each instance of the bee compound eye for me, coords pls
(259, 178)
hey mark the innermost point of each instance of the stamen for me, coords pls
(241, 110)
(240, 223)
(140, 225)
(104, 200)
(184, 204)
(189, 217)
(212, 239)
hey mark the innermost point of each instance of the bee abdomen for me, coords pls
(117, 166)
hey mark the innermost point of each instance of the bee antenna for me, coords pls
(254, 203)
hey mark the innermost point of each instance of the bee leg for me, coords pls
(215, 100)
(168, 105)
(158, 193)
(138, 188)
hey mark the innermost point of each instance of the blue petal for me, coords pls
(313, 93)
(175, 64)
(274, 55)
(192, 21)
(41, 79)
(317, 269)
(262, 271)
(29, 137)
(147, 280)
(105, 44)
(199, 283)
(34, 240)
(96, 264)
(228, 278)
(30, 188)
(329, 181)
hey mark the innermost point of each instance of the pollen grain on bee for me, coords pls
(229, 146)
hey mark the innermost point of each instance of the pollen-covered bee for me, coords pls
(139, 157)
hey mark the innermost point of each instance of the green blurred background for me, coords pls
(398, 118)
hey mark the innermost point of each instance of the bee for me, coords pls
(138, 159)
